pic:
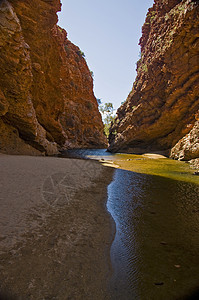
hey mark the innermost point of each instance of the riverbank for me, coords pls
(55, 233)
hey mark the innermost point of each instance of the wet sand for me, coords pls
(55, 232)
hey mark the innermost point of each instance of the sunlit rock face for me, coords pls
(46, 89)
(162, 107)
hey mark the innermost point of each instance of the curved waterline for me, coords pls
(154, 203)
(151, 164)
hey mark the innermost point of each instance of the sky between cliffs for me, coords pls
(108, 32)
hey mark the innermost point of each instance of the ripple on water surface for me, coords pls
(155, 205)
(155, 251)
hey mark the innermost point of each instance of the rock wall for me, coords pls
(188, 147)
(46, 89)
(163, 105)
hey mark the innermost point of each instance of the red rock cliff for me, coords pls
(46, 89)
(163, 104)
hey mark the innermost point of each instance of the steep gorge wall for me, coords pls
(46, 89)
(161, 112)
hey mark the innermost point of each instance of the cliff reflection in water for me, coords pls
(155, 251)
(154, 203)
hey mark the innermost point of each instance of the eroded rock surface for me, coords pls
(46, 89)
(188, 147)
(163, 104)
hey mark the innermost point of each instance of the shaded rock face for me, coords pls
(163, 104)
(46, 89)
(188, 147)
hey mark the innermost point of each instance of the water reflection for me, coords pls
(155, 251)
(144, 164)
(155, 206)
(87, 154)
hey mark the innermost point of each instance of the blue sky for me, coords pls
(108, 32)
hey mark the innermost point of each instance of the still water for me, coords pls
(155, 206)
(155, 253)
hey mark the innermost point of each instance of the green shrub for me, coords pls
(80, 53)
(181, 8)
(114, 132)
(143, 68)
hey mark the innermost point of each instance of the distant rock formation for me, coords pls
(161, 111)
(46, 89)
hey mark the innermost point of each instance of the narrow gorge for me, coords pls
(47, 102)
(161, 113)
(81, 219)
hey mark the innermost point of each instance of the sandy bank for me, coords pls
(55, 233)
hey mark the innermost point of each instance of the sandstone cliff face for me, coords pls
(46, 89)
(188, 147)
(163, 104)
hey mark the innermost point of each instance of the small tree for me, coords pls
(107, 123)
(107, 108)
(107, 116)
